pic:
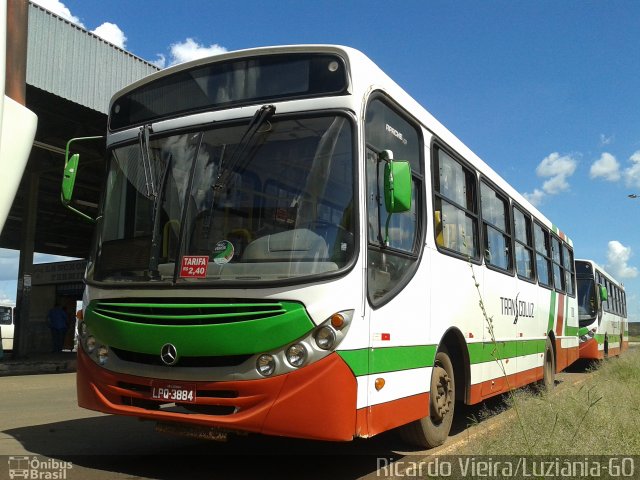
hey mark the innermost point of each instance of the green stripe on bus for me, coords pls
(552, 311)
(573, 331)
(490, 351)
(392, 359)
(388, 359)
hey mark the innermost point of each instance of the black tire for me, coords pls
(548, 367)
(620, 346)
(433, 430)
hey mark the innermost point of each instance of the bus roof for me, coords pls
(602, 271)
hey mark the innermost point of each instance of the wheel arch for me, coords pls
(456, 346)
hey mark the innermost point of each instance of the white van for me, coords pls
(6, 326)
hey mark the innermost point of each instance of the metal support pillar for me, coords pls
(17, 31)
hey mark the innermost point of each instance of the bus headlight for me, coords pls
(315, 345)
(266, 365)
(296, 355)
(90, 344)
(83, 329)
(103, 355)
(325, 337)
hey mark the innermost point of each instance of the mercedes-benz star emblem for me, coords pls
(168, 354)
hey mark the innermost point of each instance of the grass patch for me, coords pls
(599, 416)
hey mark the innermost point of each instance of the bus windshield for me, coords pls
(587, 303)
(217, 206)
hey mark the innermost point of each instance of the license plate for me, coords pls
(174, 392)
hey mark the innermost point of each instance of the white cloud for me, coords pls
(60, 9)
(606, 167)
(188, 50)
(617, 261)
(536, 197)
(557, 166)
(632, 173)
(112, 34)
(161, 62)
(556, 184)
(606, 140)
(556, 169)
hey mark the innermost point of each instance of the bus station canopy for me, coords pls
(71, 75)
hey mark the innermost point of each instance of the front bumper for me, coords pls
(589, 350)
(317, 401)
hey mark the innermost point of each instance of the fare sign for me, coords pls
(194, 266)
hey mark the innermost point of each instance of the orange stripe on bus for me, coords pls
(565, 356)
(385, 416)
(479, 391)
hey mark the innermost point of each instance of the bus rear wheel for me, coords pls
(549, 366)
(433, 430)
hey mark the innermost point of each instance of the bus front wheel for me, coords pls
(433, 430)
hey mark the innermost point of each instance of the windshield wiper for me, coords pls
(246, 143)
(143, 140)
(239, 157)
(155, 236)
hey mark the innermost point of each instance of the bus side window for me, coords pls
(524, 245)
(558, 269)
(393, 248)
(543, 255)
(456, 207)
(569, 274)
(496, 228)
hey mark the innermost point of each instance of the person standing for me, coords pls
(57, 320)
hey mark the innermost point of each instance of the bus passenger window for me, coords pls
(558, 269)
(456, 209)
(569, 275)
(543, 255)
(524, 245)
(495, 221)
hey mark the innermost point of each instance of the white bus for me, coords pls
(7, 326)
(287, 245)
(602, 306)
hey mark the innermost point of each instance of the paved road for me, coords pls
(39, 416)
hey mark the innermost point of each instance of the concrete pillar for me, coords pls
(25, 269)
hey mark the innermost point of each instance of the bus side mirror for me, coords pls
(604, 296)
(397, 186)
(69, 178)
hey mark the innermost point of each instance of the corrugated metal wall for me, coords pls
(72, 63)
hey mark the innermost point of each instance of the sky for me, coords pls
(546, 92)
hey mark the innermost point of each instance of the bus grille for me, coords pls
(148, 359)
(186, 311)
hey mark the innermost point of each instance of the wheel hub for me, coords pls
(442, 401)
